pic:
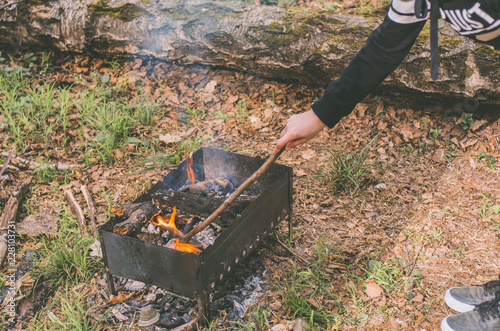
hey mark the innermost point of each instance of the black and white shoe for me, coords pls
(485, 317)
(465, 298)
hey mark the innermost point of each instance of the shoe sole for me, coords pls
(445, 326)
(455, 304)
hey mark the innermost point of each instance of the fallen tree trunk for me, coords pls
(272, 42)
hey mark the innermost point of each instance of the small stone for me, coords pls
(300, 325)
(279, 327)
(134, 286)
(148, 316)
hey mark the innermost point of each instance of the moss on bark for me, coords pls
(126, 12)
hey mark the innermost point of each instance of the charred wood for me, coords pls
(200, 205)
(141, 215)
(209, 187)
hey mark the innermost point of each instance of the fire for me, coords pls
(161, 222)
(190, 172)
(170, 225)
(188, 248)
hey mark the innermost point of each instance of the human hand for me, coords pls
(299, 129)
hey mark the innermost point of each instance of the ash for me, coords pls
(206, 237)
(232, 298)
(246, 293)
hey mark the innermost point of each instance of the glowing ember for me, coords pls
(167, 225)
(190, 172)
(188, 248)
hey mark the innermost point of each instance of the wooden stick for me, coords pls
(6, 163)
(35, 165)
(9, 213)
(90, 203)
(78, 211)
(263, 168)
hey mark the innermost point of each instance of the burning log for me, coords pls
(127, 209)
(267, 41)
(199, 204)
(140, 215)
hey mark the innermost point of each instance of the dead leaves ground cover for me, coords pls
(427, 218)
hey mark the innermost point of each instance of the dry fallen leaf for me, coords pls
(299, 173)
(308, 154)
(418, 298)
(122, 296)
(373, 290)
(169, 138)
(438, 155)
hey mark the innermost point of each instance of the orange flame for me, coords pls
(161, 222)
(188, 248)
(170, 225)
(190, 172)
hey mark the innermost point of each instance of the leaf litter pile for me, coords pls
(398, 202)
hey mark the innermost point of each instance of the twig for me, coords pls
(290, 251)
(36, 165)
(90, 203)
(10, 4)
(414, 262)
(50, 140)
(6, 164)
(11, 209)
(263, 168)
(78, 211)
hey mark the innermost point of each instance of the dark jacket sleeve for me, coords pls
(384, 50)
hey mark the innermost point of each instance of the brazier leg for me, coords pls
(203, 301)
(111, 283)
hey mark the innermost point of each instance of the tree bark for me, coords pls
(312, 48)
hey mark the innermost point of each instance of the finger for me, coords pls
(280, 143)
(295, 142)
(283, 132)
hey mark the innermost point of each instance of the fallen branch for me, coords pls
(77, 210)
(6, 164)
(38, 166)
(12, 207)
(90, 204)
(290, 251)
(10, 4)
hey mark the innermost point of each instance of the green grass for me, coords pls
(181, 151)
(41, 110)
(65, 258)
(68, 310)
(347, 172)
(386, 275)
(306, 283)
